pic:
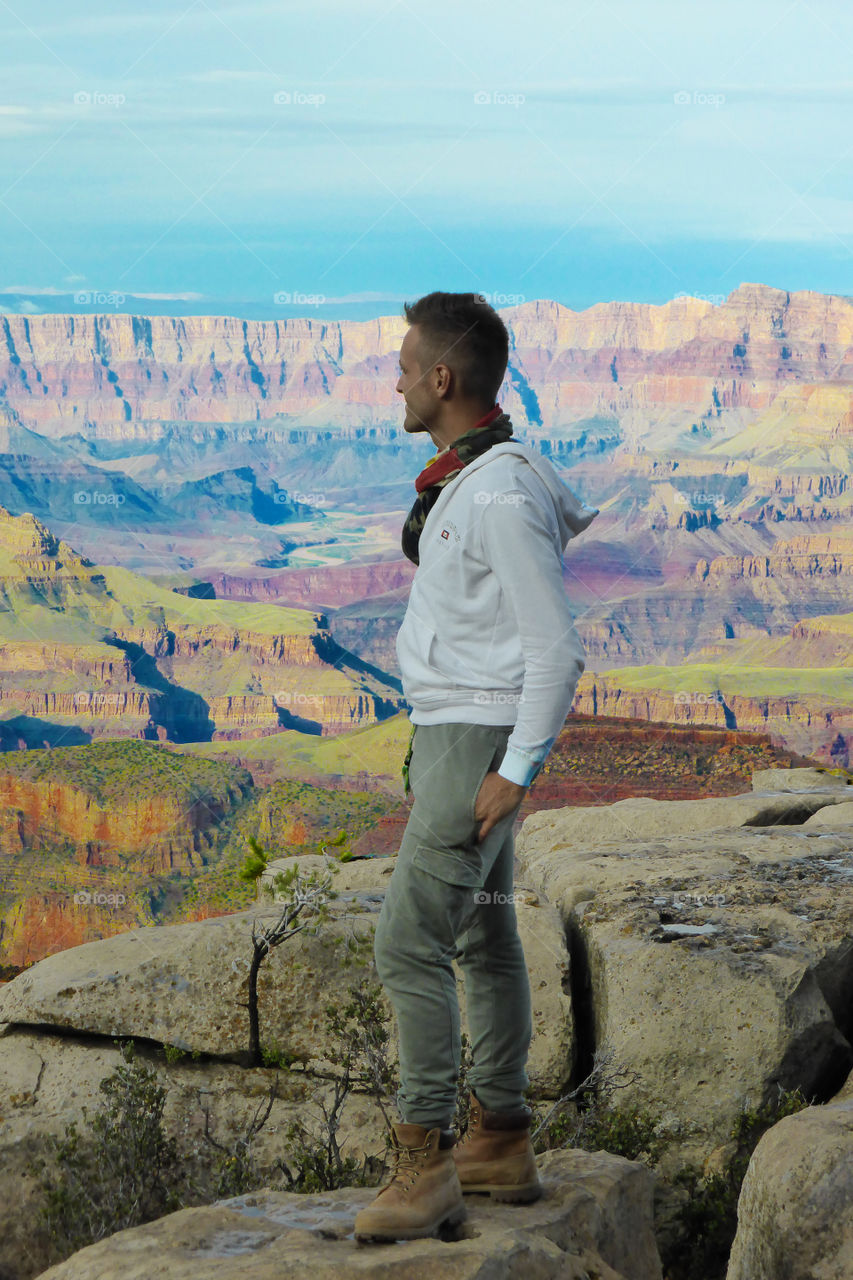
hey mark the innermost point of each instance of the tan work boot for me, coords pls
(424, 1192)
(495, 1155)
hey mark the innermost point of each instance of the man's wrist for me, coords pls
(518, 767)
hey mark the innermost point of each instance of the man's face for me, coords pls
(415, 386)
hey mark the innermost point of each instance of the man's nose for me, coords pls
(398, 387)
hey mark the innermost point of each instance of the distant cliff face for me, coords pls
(122, 376)
(164, 833)
(813, 557)
(331, 586)
(86, 831)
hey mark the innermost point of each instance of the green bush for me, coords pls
(315, 1159)
(622, 1130)
(313, 1164)
(123, 1172)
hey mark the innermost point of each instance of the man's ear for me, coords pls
(442, 379)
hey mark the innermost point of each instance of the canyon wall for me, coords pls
(124, 376)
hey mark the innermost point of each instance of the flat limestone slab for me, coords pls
(596, 1217)
(187, 985)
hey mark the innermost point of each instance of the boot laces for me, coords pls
(407, 1164)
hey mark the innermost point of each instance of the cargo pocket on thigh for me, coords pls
(463, 869)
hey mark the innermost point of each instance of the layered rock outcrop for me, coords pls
(808, 723)
(88, 830)
(165, 826)
(331, 586)
(814, 557)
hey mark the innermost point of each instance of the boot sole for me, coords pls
(452, 1219)
(525, 1194)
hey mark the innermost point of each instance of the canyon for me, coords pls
(200, 550)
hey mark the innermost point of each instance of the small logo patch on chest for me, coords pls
(450, 531)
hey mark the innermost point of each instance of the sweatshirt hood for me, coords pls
(573, 515)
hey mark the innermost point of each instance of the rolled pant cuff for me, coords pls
(444, 1123)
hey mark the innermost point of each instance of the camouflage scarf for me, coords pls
(443, 468)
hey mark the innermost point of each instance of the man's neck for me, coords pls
(449, 433)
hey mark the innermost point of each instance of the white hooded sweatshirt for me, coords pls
(488, 637)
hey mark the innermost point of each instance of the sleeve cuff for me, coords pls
(519, 767)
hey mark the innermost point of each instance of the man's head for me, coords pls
(452, 362)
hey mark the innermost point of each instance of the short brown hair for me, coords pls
(463, 327)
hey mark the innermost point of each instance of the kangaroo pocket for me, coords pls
(478, 654)
(415, 643)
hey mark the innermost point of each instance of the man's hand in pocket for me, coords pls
(496, 798)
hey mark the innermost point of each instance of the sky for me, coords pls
(338, 157)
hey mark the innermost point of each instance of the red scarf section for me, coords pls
(445, 463)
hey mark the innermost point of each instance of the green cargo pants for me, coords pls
(451, 897)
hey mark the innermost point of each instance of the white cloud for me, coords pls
(51, 291)
(371, 297)
(34, 290)
(168, 297)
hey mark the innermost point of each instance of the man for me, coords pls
(490, 660)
